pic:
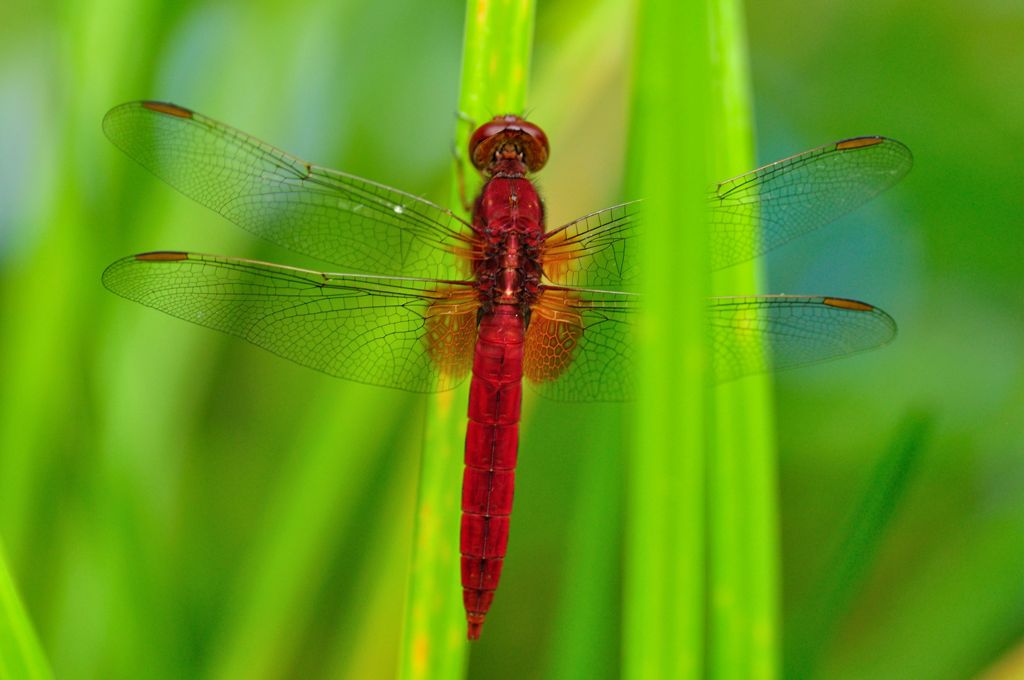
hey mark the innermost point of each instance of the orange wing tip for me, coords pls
(852, 305)
(162, 256)
(858, 143)
(167, 108)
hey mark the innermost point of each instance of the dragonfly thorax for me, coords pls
(509, 217)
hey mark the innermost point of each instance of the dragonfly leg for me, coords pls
(460, 162)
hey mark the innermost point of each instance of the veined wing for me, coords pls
(749, 215)
(579, 345)
(411, 334)
(762, 209)
(595, 251)
(775, 332)
(323, 213)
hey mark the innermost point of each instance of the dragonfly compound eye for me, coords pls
(495, 134)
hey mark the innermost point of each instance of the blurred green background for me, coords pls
(176, 503)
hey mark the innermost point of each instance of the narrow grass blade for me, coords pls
(960, 608)
(814, 625)
(362, 642)
(663, 634)
(742, 507)
(495, 66)
(315, 506)
(21, 656)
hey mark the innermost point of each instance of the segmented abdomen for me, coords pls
(492, 442)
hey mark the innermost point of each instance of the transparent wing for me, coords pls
(749, 215)
(411, 334)
(762, 209)
(775, 332)
(597, 250)
(579, 345)
(323, 213)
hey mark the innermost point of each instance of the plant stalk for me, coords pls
(664, 539)
(495, 68)
(743, 569)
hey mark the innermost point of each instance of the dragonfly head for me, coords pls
(507, 139)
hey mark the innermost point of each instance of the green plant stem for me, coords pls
(495, 66)
(742, 506)
(664, 539)
(434, 629)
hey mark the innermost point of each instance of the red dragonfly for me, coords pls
(433, 298)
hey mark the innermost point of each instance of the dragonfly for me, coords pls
(427, 298)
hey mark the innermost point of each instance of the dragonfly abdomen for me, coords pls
(492, 441)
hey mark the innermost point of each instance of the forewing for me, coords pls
(329, 215)
(749, 215)
(762, 209)
(597, 250)
(410, 334)
(775, 332)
